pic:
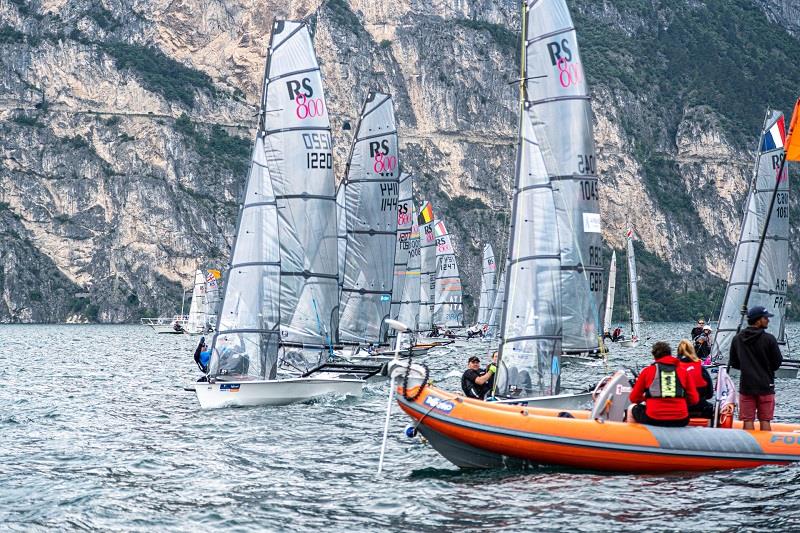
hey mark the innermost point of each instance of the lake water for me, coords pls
(96, 432)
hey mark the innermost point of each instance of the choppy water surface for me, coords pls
(97, 433)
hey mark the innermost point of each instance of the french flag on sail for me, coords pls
(775, 136)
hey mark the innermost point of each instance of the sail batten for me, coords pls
(559, 103)
(371, 190)
(770, 283)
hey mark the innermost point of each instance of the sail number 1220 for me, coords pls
(319, 141)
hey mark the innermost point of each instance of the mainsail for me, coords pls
(531, 346)
(341, 230)
(370, 199)
(213, 297)
(405, 290)
(300, 161)
(558, 97)
(197, 322)
(633, 289)
(769, 286)
(496, 314)
(247, 335)
(612, 286)
(427, 273)
(448, 310)
(487, 285)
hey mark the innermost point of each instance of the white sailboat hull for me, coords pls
(629, 343)
(273, 392)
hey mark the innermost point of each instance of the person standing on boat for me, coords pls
(701, 378)
(755, 353)
(666, 390)
(702, 343)
(474, 382)
(698, 329)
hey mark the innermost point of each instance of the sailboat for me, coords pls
(529, 366)
(427, 273)
(205, 303)
(496, 314)
(448, 310)
(371, 189)
(633, 296)
(487, 285)
(771, 271)
(273, 332)
(612, 286)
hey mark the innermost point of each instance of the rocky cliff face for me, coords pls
(126, 129)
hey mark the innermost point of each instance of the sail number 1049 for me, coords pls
(318, 141)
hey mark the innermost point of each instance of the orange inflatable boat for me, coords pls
(477, 434)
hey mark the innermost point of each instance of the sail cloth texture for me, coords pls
(770, 283)
(633, 289)
(448, 310)
(246, 341)
(405, 290)
(213, 299)
(496, 315)
(562, 120)
(487, 285)
(793, 137)
(531, 346)
(612, 286)
(341, 230)
(427, 274)
(197, 310)
(300, 161)
(370, 199)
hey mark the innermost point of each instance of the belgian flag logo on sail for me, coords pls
(426, 213)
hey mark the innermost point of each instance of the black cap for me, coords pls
(474, 359)
(757, 311)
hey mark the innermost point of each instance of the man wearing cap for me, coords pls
(698, 329)
(473, 381)
(702, 343)
(755, 353)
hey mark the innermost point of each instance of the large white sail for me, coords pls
(427, 272)
(558, 95)
(341, 231)
(448, 310)
(487, 285)
(300, 160)
(612, 286)
(409, 302)
(531, 346)
(246, 341)
(405, 277)
(197, 310)
(496, 315)
(633, 289)
(769, 286)
(213, 297)
(370, 199)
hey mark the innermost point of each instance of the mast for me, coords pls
(487, 285)
(612, 286)
(761, 263)
(633, 287)
(298, 146)
(448, 310)
(562, 122)
(371, 205)
(530, 350)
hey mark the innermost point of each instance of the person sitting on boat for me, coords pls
(702, 343)
(474, 380)
(698, 329)
(435, 331)
(617, 335)
(202, 355)
(448, 334)
(666, 390)
(176, 327)
(702, 380)
(755, 353)
(474, 331)
(606, 335)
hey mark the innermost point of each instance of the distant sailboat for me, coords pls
(427, 274)
(496, 314)
(405, 290)
(633, 296)
(370, 200)
(770, 282)
(612, 286)
(280, 295)
(487, 285)
(448, 310)
(205, 303)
